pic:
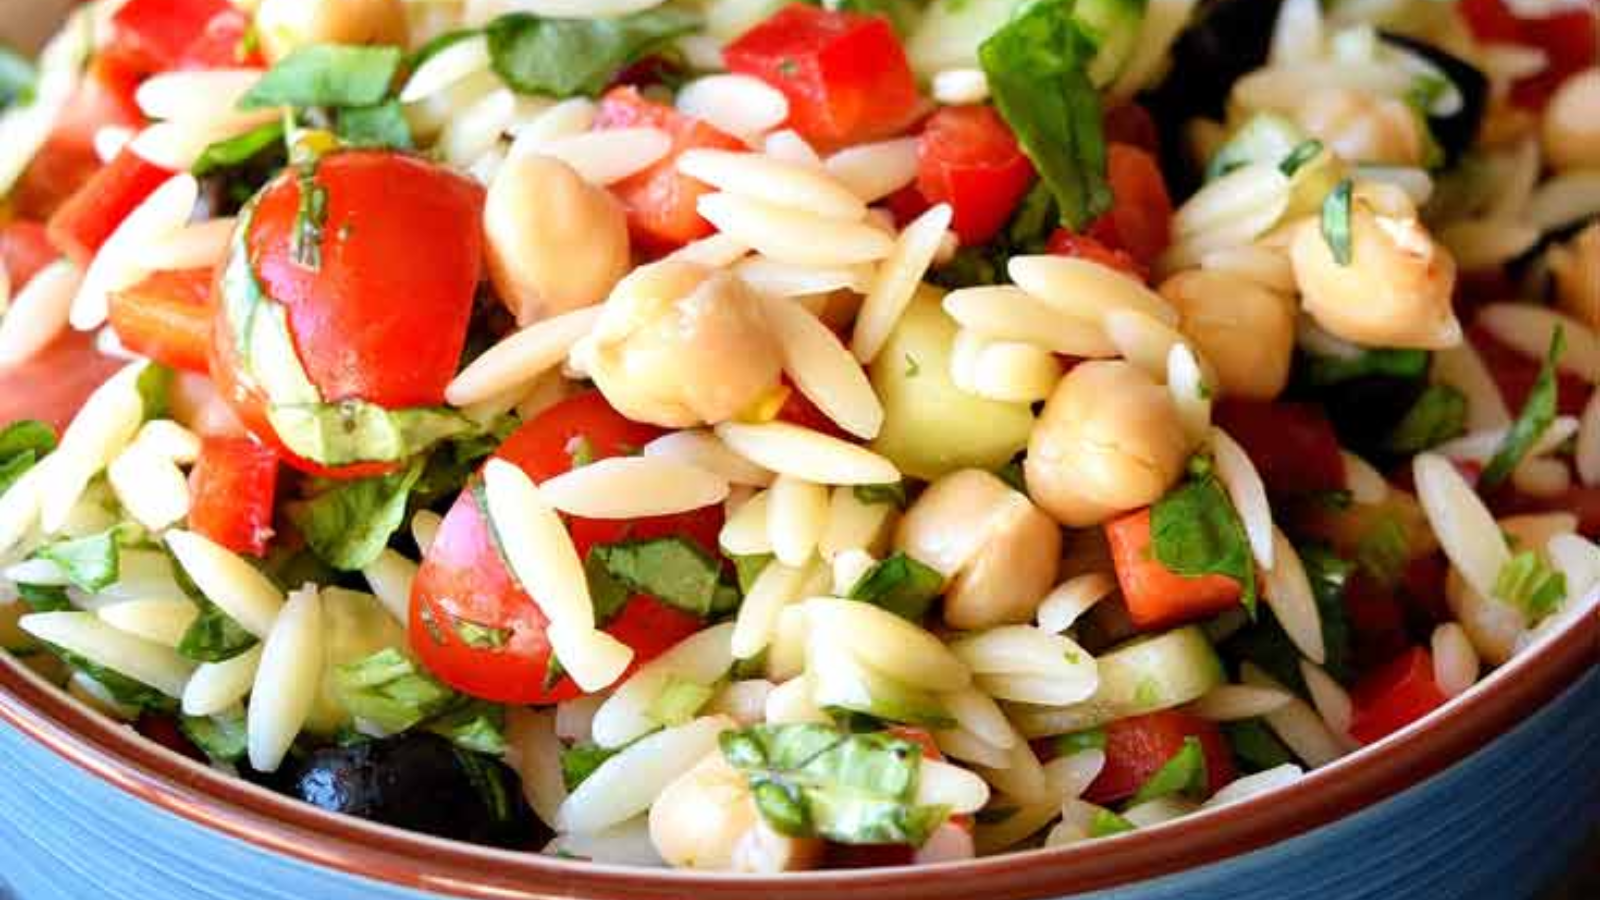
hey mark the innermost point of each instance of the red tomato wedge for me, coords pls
(1157, 597)
(661, 201)
(1081, 246)
(1137, 747)
(384, 317)
(231, 489)
(25, 248)
(52, 385)
(1140, 220)
(81, 226)
(167, 317)
(1394, 696)
(1292, 445)
(845, 74)
(968, 157)
(464, 580)
(1568, 38)
(68, 160)
(157, 35)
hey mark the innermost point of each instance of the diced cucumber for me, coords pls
(951, 30)
(1115, 25)
(1264, 138)
(355, 626)
(1143, 676)
(930, 426)
(840, 681)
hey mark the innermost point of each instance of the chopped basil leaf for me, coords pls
(571, 57)
(44, 597)
(1336, 222)
(390, 690)
(214, 636)
(1438, 415)
(817, 781)
(1184, 773)
(1195, 531)
(1530, 584)
(1255, 746)
(1324, 371)
(580, 761)
(900, 585)
(608, 593)
(239, 151)
(351, 523)
(18, 79)
(481, 637)
(678, 702)
(891, 494)
(326, 75)
(22, 445)
(1107, 823)
(1305, 152)
(381, 125)
(1078, 741)
(310, 218)
(475, 725)
(748, 568)
(673, 570)
(91, 563)
(1330, 576)
(222, 738)
(1037, 68)
(1538, 412)
(119, 687)
(340, 434)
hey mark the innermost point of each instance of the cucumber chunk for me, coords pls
(1142, 676)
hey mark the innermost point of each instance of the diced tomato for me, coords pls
(167, 317)
(1515, 372)
(968, 157)
(82, 224)
(464, 579)
(1157, 597)
(25, 248)
(845, 74)
(158, 35)
(1081, 246)
(231, 489)
(1377, 622)
(1422, 590)
(1292, 445)
(68, 159)
(662, 203)
(1567, 38)
(1395, 695)
(1137, 747)
(52, 385)
(1130, 123)
(906, 204)
(798, 409)
(384, 316)
(1140, 219)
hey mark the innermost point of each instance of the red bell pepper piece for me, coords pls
(25, 248)
(1292, 445)
(1137, 747)
(1140, 218)
(1157, 597)
(845, 74)
(1082, 246)
(81, 226)
(231, 489)
(167, 317)
(68, 159)
(661, 201)
(1388, 699)
(158, 35)
(968, 157)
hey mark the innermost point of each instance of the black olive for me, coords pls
(1455, 132)
(419, 782)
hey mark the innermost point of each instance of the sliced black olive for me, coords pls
(419, 782)
(1455, 132)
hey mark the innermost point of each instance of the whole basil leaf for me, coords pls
(326, 75)
(349, 525)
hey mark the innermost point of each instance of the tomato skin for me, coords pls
(157, 35)
(52, 385)
(167, 317)
(463, 576)
(1568, 39)
(1138, 746)
(25, 248)
(1081, 246)
(68, 159)
(1156, 597)
(232, 488)
(81, 226)
(968, 157)
(1140, 219)
(1292, 445)
(845, 74)
(1395, 695)
(661, 202)
(1130, 123)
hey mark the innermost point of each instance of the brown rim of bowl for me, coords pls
(119, 756)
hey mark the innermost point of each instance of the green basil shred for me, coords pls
(1336, 213)
(1538, 412)
(1195, 531)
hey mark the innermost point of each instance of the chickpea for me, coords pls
(999, 552)
(679, 345)
(1110, 440)
(707, 819)
(554, 242)
(1361, 127)
(1395, 291)
(1245, 330)
(287, 25)
(1575, 267)
(1571, 127)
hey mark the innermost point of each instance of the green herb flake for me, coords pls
(901, 585)
(1195, 531)
(1184, 773)
(580, 761)
(1336, 222)
(1304, 153)
(1437, 416)
(91, 563)
(1078, 741)
(351, 523)
(390, 690)
(311, 216)
(238, 151)
(22, 445)
(481, 637)
(326, 75)
(1538, 412)
(578, 57)
(674, 570)
(1531, 585)
(1107, 823)
(44, 597)
(213, 636)
(222, 738)
(678, 702)
(1384, 550)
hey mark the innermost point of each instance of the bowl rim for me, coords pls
(116, 754)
